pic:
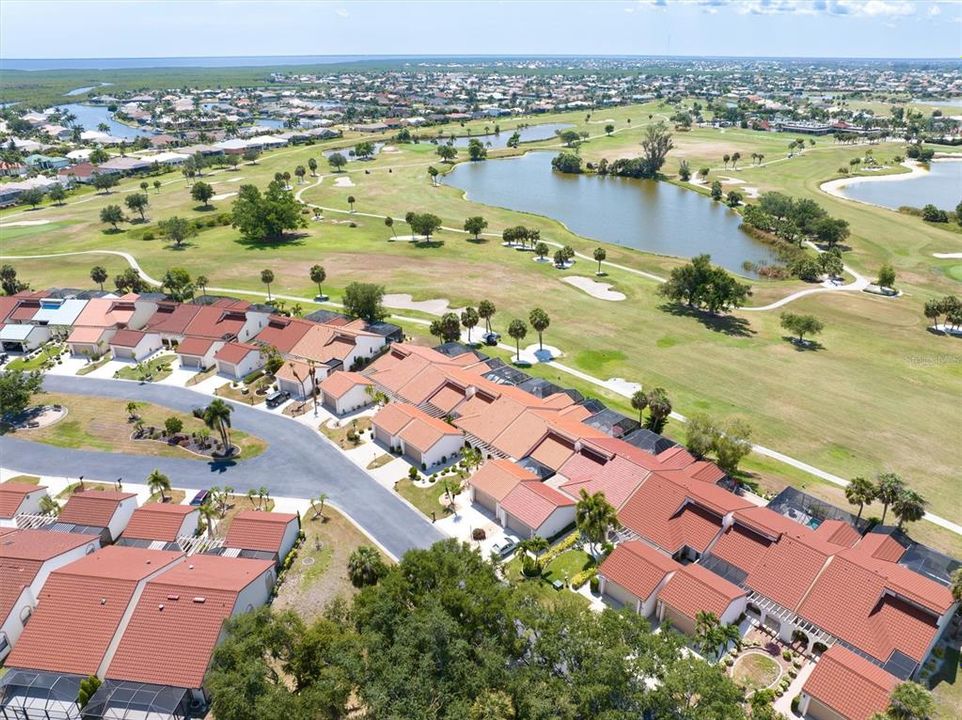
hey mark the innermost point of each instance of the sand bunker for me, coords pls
(343, 182)
(948, 256)
(237, 179)
(403, 301)
(223, 196)
(599, 290)
(24, 223)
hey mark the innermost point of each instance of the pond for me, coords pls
(644, 214)
(941, 186)
(90, 116)
(532, 133)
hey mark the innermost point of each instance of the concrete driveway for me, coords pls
(297, 463)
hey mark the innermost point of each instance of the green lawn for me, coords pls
(946, 688)
(48, 353)
(157, 369)
(427, 500)
(845, 409)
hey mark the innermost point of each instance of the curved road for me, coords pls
(297, 463)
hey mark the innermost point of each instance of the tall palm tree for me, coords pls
(887, 491)
(909, 506)
(157, 482)
(594, 516)
(859, 492)
(532, 549)
(209, 513)
(217, 417)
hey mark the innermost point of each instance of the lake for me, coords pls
(532, 133)
(82, 90)
(941, 186)
(644, 214)
(90, 116)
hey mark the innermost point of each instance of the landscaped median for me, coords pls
(110, 425)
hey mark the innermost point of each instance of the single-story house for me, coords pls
(159, 525)
(198, 353)
(133, 345)
(104, 512)
(90, 341)
(17, 498)
(343, 392)
(254, 532)
(494, 480)
(533, 508)
(846, 686)
(294, 377)
(27, 557)
(424, 439)
(634, 573)
(21, 337)
(58, 313)
(693, 589)
(238, 360)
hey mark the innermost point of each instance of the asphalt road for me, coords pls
(297, 463)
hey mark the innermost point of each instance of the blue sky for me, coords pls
(812, 28)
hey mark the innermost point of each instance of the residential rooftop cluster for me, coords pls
(132, 595)
(232, 335)
(689, 541)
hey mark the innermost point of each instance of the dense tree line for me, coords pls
(440, 636)
(795, 220)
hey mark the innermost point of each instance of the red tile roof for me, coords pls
(617, 479)
(157, 521)
(694, 589)
(338, 383)
(283, 333)
(127, 338)
(12, 495)
(93, 507)
(257, 530)
(662, 512)
(215, 323)
(637, 567)
(177, 623)
(80, 609)
(854, 603)
(195, 346)
(234, 352)
(532, 502)
(172, 318)
(849, 684)
(788, 569)
(498, 477)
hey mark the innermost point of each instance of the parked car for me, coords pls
(492, 338)
(505, 548)
(200, 498)
(276, 398)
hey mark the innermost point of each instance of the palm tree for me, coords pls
(318, 275)
(887, 491)
(320, 500)
(859, 492)
(350, 201)
(157, 482)
(209, 513)
(639, 401)
(389, 221)
(263, 495)
(539, 321)
(909, 507)
(600, 256)
(99, 275)
(251, 494)
(49, 506)
(267, 277)
(312, 164)
(517, 329)
(659, 407)
(365, 566)
(956, 586)
(594, 516)
(726, 157)
(531, 550)
(201, 281)
(131, 409)
(486, 311)
(217, 417)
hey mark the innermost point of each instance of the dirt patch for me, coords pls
(319, 573)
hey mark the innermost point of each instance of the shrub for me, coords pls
(796, 701)
(786, 654)
(595, 584)
(584, 576)
(478, 534)
(939, 652)
(729, 661)
(149, 235)
(819, 647)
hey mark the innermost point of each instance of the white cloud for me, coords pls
(868, 8)
(341, 12)
(935, 10)
(871, 8)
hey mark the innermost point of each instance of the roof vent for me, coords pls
(173, 597)
(160, 607)
(200, 600)
(103, 601)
